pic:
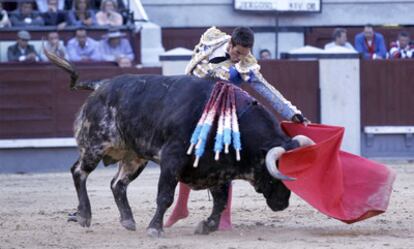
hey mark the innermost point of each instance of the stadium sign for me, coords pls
(278, 5)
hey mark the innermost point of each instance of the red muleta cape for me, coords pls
(339, 184)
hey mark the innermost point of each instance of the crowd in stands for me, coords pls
(113, 47)
(84, 14)
(63, 13)
(81, 14)
(371, 44)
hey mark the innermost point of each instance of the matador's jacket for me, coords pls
(210, 59)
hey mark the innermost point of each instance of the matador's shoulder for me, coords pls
(214, 36)
(210, 41)
(247, 64)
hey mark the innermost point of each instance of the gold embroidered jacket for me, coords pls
(213, 43)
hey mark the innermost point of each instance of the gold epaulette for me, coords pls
(246, 65)
(212, 39)
(214, 36)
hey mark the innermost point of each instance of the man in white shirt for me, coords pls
(55, 46)
(339, 40)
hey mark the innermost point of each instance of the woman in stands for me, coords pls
(4, 18)
(108, 15)
(81, 14)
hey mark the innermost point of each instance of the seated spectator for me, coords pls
(43, 5)
(22, 51)
(82, 47)
(108, 15)
(117, 49)
(370, 44)
(96, 4)
(265, 54)
(25, 16)
(4, 18)
(53, 16)
(81, 15)
(402, 49)
(55, 46)
(339, 40)
(123, 7)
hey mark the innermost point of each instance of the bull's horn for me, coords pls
(303, 140)
(271, 157)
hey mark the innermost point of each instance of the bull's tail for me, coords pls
(75, 84)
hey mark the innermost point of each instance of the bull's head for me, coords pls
(275, 192)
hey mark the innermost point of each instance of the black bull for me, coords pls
(131, 119)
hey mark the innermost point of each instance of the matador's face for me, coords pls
(237, 52)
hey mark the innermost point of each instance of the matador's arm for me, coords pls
(249, 71)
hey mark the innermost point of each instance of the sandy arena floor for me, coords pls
(34, 208)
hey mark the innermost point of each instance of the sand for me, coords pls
(34, 208)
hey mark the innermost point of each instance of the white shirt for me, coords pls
(333, 44)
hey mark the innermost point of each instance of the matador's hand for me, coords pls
(299, 118)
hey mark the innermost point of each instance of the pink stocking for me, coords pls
(180, 210)
(225, 220)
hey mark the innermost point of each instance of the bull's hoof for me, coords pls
(128, 224)
(205, 228)
(84, 222)
(154, 233)
(73, 217)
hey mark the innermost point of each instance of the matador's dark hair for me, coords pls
(242, 36)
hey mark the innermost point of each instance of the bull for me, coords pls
(133, 119)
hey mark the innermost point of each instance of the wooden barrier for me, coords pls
(185, 37)
(35, 100)
(298, 81)
(387, 89)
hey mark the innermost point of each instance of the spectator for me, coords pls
(55, 46)
(108, 15)
(402, 49)
(43, 5)
(83, 48)
(81, 15)
(22, 51)
(265, 54)
(53, 16)
(96, 4)
(25, 16)
(339, 40)
(4, 18)
(370, 44)
(117, 49)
